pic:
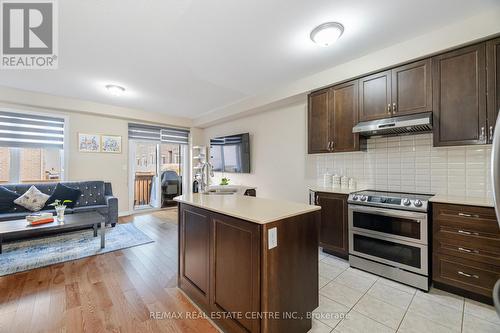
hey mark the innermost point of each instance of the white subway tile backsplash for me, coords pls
(410, 163)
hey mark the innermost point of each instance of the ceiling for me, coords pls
(186, 58)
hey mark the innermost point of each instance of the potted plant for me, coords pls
(224, 181)
(60, 206)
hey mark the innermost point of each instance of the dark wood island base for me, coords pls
(230, 268)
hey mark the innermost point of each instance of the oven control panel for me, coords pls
(410, 202)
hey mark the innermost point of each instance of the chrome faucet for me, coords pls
(206, 170)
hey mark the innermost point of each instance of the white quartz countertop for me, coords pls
(337, 190)
(462, 200)
(257, 210)
(438, 198)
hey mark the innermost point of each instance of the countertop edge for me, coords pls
(462, 201)
(246, 218)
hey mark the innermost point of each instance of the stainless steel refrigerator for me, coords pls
(495, 178)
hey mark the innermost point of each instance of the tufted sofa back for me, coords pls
(93, 192)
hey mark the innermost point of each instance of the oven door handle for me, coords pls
(418, 217)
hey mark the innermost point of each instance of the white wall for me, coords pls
(278, 152)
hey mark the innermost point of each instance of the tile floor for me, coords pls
(352, 300)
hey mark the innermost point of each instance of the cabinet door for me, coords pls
(412, 88)
(194, 249)
(493, 65)
(459, 95)
(344, 115)
(333, 230)
(318, 122)
(236, 271)
(375, 96)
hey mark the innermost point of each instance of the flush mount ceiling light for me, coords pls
(327, 33)
(115, 90)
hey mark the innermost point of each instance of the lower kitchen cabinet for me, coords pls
(228, 268)
(466, 250)
(333, 235)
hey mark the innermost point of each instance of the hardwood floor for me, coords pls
(113, 292)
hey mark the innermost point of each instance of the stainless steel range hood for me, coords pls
(412, 124)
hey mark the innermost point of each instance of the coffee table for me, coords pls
(22, 228)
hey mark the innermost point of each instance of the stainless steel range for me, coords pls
(389, 235)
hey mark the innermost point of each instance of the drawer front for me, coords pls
(472, 250)
(465, 274)
(479, 246)
(467, 218)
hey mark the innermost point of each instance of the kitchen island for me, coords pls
(250, 264)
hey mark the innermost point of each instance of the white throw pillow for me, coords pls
(33, 199)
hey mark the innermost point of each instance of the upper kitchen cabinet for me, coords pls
(375, 96)
(401, 91)
(333, 112)
(412, 88)
(343, 116)
(459, 101)
(493, 73)
(319, 123)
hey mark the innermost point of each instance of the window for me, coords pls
(31, 148)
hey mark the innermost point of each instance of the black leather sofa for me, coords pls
(95, 196)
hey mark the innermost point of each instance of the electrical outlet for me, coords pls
(272, 238)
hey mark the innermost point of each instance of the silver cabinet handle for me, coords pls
(468, 275)
(468, 232)
(468, 215)
(491, 134)
(482, 137)
(394, 108)
(463, 249)
(389, 108)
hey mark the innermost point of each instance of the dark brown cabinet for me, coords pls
(236, 276)
(319, 122)
(194, 263)
(466, 250)
(412, 88)
(227, 267)
(401, 91)
(459, 87)
(375, 96)
(493, 86)
(332, 114)
(343, 116)
(333, 236)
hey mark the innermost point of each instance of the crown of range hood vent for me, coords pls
(403, 125)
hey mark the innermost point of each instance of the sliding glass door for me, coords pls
(158, 160)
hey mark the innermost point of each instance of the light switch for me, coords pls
(272, 238)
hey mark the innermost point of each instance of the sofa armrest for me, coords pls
(112, 203)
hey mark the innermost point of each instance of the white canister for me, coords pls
(344, 181)
(327, 180)
(352, 183)
(336, 181)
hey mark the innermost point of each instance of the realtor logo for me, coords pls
(29, 34)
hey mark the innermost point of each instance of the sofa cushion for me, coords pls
(7, 198)
(33, 199)
(63, 192)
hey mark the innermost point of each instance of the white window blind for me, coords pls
(30, 131)
(158, 134)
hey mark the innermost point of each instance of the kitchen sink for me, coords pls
(219, 192)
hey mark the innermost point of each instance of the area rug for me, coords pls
(39, 252)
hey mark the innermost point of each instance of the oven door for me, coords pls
(396, 224)
(409, 256)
